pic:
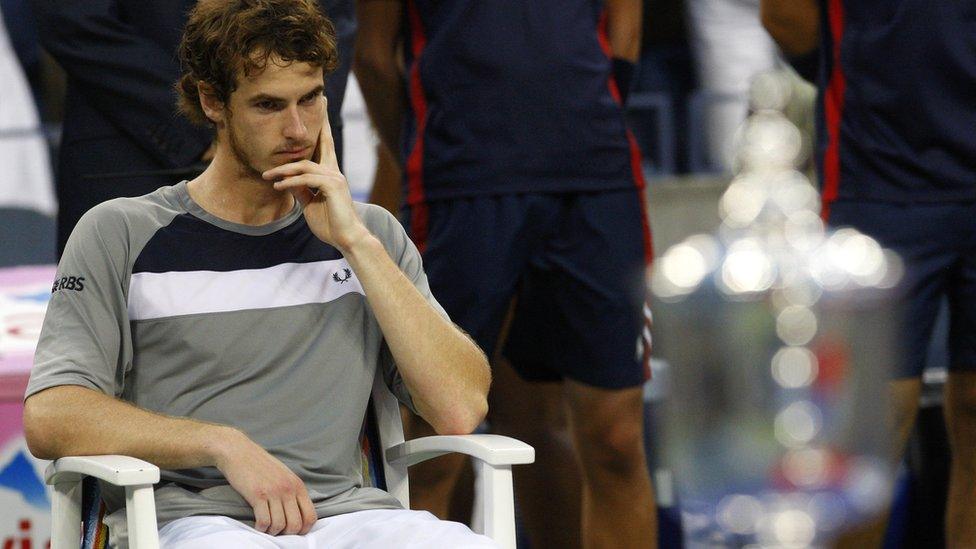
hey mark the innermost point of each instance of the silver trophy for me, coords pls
(780, 335)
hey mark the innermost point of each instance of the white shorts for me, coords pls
(378, 528)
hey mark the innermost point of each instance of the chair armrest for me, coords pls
(491, 449)
(117, 470)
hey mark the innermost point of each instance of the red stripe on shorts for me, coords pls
(415, 161)
(637, 172)
(833, 109)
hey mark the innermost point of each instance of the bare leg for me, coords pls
(548, 491)
(618, 500)
(904, 395)
(960, 415)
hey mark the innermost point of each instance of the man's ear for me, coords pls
(212, 107)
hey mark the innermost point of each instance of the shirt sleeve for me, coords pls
(405, 254)
(85, 337)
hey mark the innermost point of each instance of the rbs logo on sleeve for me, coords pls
(76, 283)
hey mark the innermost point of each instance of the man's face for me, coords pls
(274, 117)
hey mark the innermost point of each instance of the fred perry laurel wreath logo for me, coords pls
(346, 272)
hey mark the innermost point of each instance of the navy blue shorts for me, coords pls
(574, 262)
(938, 245)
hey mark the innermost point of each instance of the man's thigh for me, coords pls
(928, 238)
(208, 532)
(579, 313)
(379, 529)
(612, 417)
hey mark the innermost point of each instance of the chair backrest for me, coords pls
(384, 428)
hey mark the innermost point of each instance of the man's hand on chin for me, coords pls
(324, 193)
(279, 498)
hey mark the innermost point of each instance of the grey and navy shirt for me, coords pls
(264, 328)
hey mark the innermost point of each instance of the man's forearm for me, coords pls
(446, 373)
(73, 420)
(383, 92)
(377, 67)
(624, 28)
(793, 24)
(386, 191)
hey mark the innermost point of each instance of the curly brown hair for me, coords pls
(225, 39)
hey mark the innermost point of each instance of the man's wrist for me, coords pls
(221, 442)
(366, 244)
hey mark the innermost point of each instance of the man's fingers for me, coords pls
(326, 149)
(309, 516)
(293, 517)
(278, 520)
(262, 516)
(328, 184)
(299, 181)
(292, 168)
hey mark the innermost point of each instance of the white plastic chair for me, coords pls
(493, 457)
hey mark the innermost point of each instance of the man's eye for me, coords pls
(266, 105)
(310, 98)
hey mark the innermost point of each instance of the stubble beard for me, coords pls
(245, 164)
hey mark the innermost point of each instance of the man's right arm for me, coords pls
(793, 24)
(83, 347)
(70, 420)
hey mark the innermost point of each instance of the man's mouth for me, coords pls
(295, 152)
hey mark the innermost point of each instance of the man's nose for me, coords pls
(294, 125)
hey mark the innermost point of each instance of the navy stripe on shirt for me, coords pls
(191, 244)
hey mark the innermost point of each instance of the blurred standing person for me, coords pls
(730, 47)
(523, 190)
(22, 33)
(26, 181)
(897, 160)
(666, 67)
(122, 135)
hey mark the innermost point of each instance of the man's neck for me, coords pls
(229, 191)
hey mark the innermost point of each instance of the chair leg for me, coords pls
(66, 515)
(140, 515)
(498, 505)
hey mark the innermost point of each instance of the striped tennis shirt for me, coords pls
(264, 328)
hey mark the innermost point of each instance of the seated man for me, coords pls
(228, 329)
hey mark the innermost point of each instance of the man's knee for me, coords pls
(614, 450)
(608, 427)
